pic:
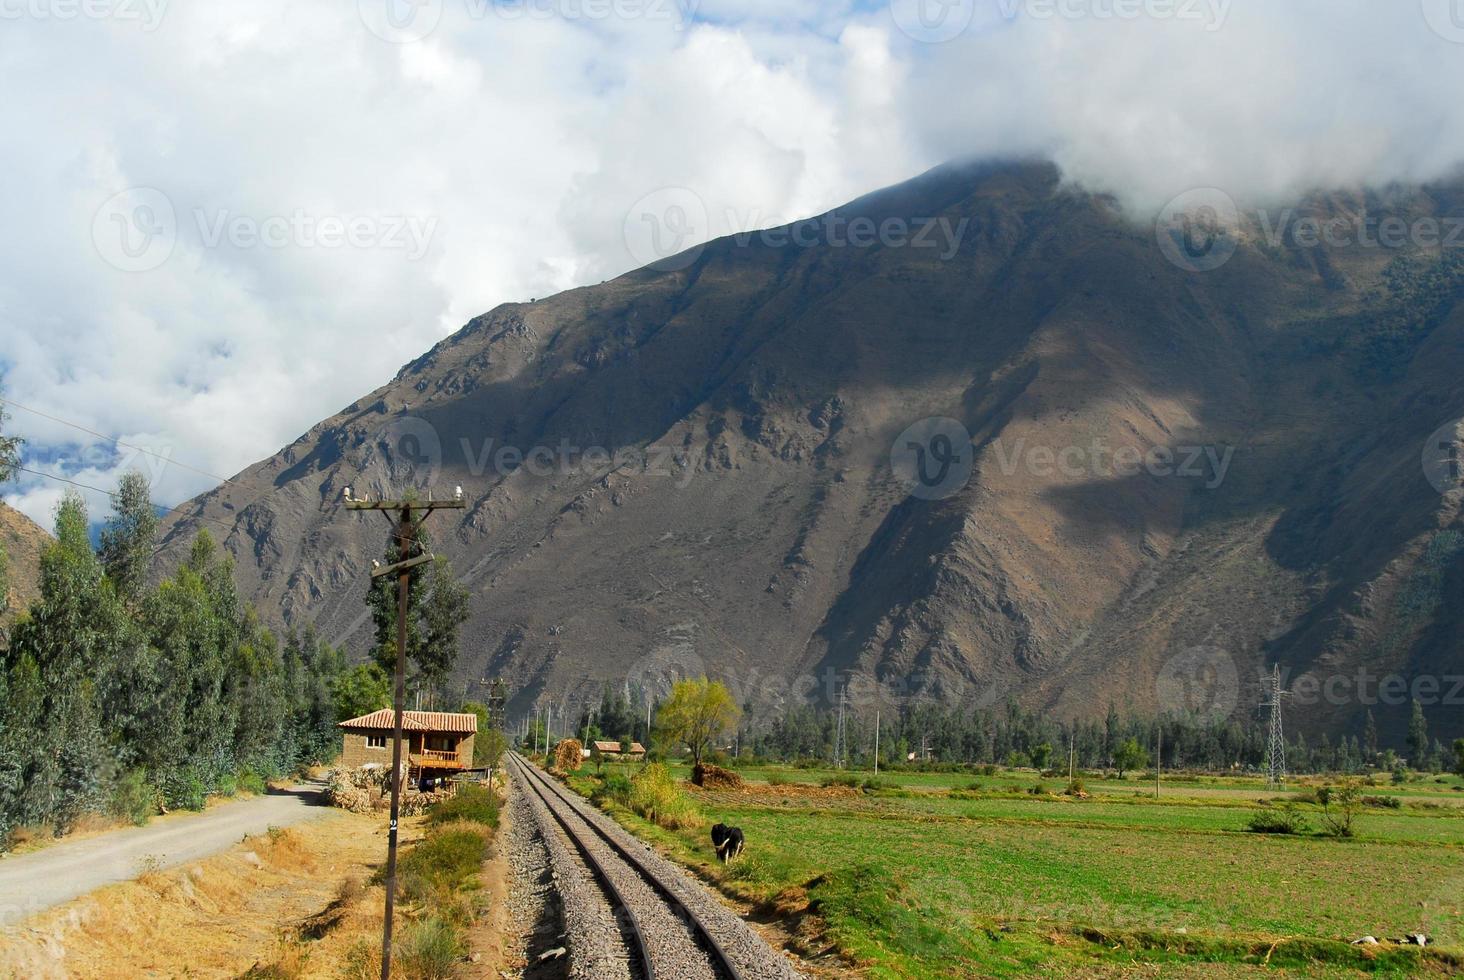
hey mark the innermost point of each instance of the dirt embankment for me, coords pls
(295, 895)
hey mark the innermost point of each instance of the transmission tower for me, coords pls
(840, 750)
(1276, 744)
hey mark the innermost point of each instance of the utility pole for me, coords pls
(1158, 761)
(406, 533)
(876, 741)
(839, 749)
(1276, 744)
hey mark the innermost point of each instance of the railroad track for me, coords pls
(652, 920)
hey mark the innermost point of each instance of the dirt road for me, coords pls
(32, 883)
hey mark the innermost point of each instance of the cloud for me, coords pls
(226, 222)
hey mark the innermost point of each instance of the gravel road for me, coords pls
(31, 883)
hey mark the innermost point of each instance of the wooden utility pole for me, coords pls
(1158, 761)
(406, 533)
(876, 741)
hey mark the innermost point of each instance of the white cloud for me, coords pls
(516, 142)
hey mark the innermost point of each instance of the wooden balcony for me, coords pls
(437, 759)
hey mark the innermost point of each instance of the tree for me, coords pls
(1340, 806)
(444, 610)
(1370, 739)
(1417, 737)
(437, 607)
(1459, 756)
(1130, 755)
(361, 690)
(9, 448)
(128, 538)
(4, 595)
(696, 714)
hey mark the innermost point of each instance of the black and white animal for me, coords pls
(728, 842)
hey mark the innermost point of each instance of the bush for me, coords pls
(429, 950)
(472, 803)
(655, 796)
(252, 782)
(614, 787)
(1075, 788)
(1383, 802)
(442, 863)
(847, 779)
(134, 799)
(1340, 805)
(1285, 820)
(778, 778)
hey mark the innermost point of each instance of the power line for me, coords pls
(113, 440)
(113, 494)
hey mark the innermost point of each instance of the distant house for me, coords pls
(435, 742)
(611, 751)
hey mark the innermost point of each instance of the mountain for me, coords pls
(775, 524)
(22, 541)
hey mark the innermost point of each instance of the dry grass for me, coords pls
(219, 917)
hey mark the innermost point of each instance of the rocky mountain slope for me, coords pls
(22, 540)
(1148, 475)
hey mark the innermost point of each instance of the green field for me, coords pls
(912, 880)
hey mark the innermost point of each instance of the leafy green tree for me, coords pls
(67, 636)
(444, 611)
(1417, 737)
(129, 536)
(1370, 739)
(437, 607)
(361, 690)
(4, 596)
(696, 714)
(1129, 755)
(9, 448)
(1459, 756)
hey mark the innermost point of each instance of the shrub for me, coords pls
(1038, 789)
(442, 863)
(472, 803)
(1075, 788)
(252, 782)
(1285, 820)
(1340, 805)
(615, 787)
(847, 779)
(655, 796)
(1383, 802)
(134, 799)
(874, 784)
(430, 950)
(362, 961)
(777, 778)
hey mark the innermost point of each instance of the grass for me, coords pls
(472, 803)
(929, 876)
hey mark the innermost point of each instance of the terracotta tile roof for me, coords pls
(615, 747)
(417, 721)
